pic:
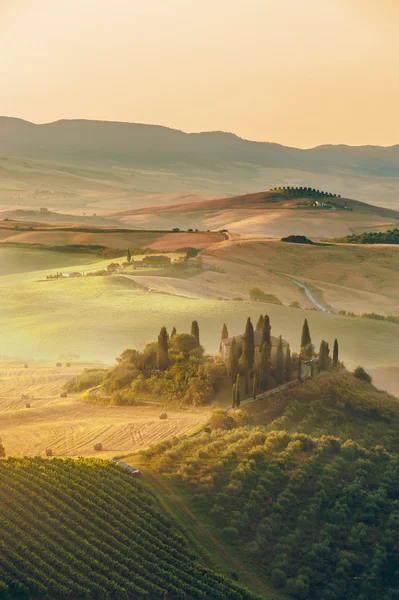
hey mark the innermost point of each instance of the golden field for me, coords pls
(70, 427)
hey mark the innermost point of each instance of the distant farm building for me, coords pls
(156, 261)
(72, 274)
(226, 343)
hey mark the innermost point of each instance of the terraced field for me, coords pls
(70, 427)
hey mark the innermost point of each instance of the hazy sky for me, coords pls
(297, 72)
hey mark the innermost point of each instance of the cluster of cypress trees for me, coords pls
(241, 359)
(163, 344)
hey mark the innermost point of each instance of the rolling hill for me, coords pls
(95, 165)
(303, 488)
(271, 213)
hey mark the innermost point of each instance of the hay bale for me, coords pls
(63, 395)
(58, 365)
(163, 416)
(27, 405)
(49, 452)
(98, 447)
(26, 366)
(68, 365)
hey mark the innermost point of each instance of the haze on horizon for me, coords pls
(300, 74)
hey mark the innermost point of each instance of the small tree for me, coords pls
(162, 350)
(264, 368)
(195, 331)
(224, 336)
(2, 451)
(128, 255)
(280, 362)
(324, 358)
(174, 331)
(266, 332)
(259, 325)
(361, 374)
(185, 344)
(233, 396)
(306, 340)
(288, 364)
(335, 354)
(248, 348)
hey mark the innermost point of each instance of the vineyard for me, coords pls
(86, 529)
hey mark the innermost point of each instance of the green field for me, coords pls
(98, 317)
(24, 260)
(88, 529)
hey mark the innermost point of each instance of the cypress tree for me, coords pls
(195, 331)
(299, 368)
(266, 332)
(232, 361)
(238, 392)
(254, 387)
(128, 255)
(173, 332)
(288, 364)
(335, 354)
(280, 361)
(306, 340)
(248, 347)
(224, 336)
(259, 325)
(322, 356)
(264, 368)
(233, 396)
(162, 350)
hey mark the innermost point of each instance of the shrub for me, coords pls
(257, 295)
(279, 578)
(361, 374)
(89, 379)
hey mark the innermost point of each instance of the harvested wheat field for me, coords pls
(157, 240)
(71, 428)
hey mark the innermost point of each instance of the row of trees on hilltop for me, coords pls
(269, 367)
(299, 191)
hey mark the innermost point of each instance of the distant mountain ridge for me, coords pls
(143, 145)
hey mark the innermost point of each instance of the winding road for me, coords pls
(308, 293)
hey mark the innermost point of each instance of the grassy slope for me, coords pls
(27, 260)
(91, 529)
(355, 278)
(334, 403)
(99, 317)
